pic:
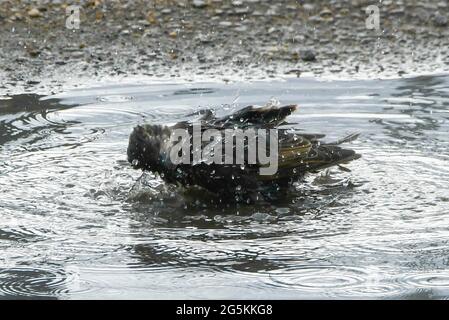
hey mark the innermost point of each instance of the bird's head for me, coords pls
(146, 145)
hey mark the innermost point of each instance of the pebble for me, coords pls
(308, 55)
(199, 4)
(151, 18)
(296, 72)
(398, 11)
(34, 52)
(325, 13)
(271, 11)
(34, 13)
(242, 11)
(439, 20)
(315, 19)
(241, 28)
(442, 5)
(422, 15)
(299, 38)
(203, 38)
(335, 69)
(308, 7)
(225, 23)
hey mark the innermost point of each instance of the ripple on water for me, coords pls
(375, 290)
(318, 278)
(23, 234)
(194, 91)
(170, 114)
(43, 282)
(438, 278)
(114, 98)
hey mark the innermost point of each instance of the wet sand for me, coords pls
(225, 40)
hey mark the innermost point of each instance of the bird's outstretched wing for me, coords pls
(298, 152)
(266, 117)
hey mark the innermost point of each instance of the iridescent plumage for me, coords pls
(298, 153)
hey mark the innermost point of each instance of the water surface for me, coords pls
(77, 222)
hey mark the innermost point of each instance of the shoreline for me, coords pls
(223, 40)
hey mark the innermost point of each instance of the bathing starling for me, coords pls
(222, 169)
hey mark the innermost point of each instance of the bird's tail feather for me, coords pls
(349, 138)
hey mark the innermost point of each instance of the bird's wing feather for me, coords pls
(298, 152)
(268, 116)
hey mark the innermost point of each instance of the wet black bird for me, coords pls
(297, 154)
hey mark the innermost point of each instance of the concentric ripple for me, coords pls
(318, 278)
(36, 282)
(433, 279)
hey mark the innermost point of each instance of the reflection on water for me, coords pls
(78, 222)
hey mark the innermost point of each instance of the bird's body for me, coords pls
(151, 148)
